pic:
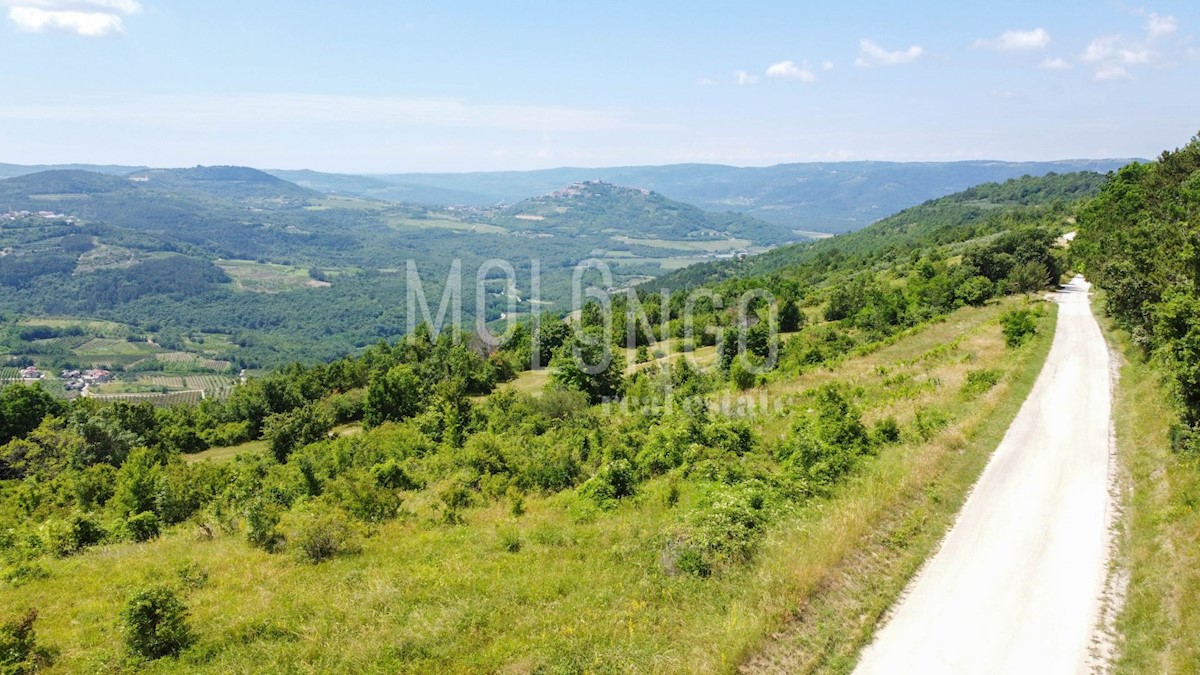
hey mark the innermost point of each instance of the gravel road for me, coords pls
(1016, 586)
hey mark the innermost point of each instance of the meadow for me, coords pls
(559, 585)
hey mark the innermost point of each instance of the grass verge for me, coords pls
(1159, 537)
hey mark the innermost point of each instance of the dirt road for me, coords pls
(1017, 583)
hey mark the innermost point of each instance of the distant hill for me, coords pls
(823, 197)
(976, 212)
(10, 170)
(375, 188)
(226, 181)
(597, 207)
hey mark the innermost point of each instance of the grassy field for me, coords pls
(259, 277)
(706, 245)
(109, 327)
(445, 224)
(581, 591)
(1159, 552)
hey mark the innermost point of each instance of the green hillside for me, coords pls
(668, 510)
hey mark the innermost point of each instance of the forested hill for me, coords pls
(976, 212)
(597, 207)
(819, 196)
(227, 181)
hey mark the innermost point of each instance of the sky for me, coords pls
(382, 87)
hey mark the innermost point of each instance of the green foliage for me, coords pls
(722, 534)
(979, 381)
(825, 445)
(791, 318)
(22, 409)
(975, 291)
(588, 365)
(72, 534)
(741, 375)
(1138, 240)
(262, 525)
(154, 623)
(320, 534)
(20, 653)
(142, 526)
(613, 481)
(286, 432)
(393, 396)
(1018, 325)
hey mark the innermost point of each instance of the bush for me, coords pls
(886, 431)
(743, 378)
(979, 381)
(613, 481)
(70, 536)
(155, 623)
(143, 526)
(19, 651)
(358, 493)
(262, 526)
(722, 534)
(1018, 325)
(320, 535)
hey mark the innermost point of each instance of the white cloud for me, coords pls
(1055, 63)
(91, 18)
(1111, 71)
(791, 71)
(1160, 26)
(742, 78)
(828, 65)
(871, 54)
(1017, 40)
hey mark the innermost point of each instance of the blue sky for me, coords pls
(446, 86)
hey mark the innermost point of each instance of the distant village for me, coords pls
(48, 215)
(73, 380)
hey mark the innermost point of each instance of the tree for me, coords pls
(791, 319)
(975, 291)
(393, 396)
(287, 432)
(22, 409)
(589, 366)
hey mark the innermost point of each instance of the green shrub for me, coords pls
(19, 651)
(742, 376)
(319, 535)
(722, 534)
(516, 501)
(70, 536)
(192, 575)
(24, 572)
(979, 381)
(613, 481)
(886, 431)
(358, 494)
(928, 422)
(391, 475)
(1018, 325)
(262, 525)
(155, 623)
(142, 526)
